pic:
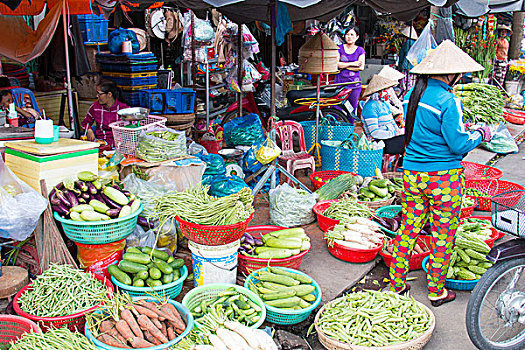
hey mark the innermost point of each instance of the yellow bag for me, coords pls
(268, 151)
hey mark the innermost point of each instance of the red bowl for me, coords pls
(416, 260)
(468, 211)
(247, 264)
(325, 175)
(324, 222)
(353, 255)
(495, 233)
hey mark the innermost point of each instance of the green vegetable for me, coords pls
(133, 250)
(177, 264)
(131, 267)
(75, 216)
(157, 253)
(275, 253)
(119, 275)
(125, 211)
(139, 258)
(381, 192)
(296, 276)
(481, 103)
(284, 303)
(138, 282)
(153, 282)
(90, 215)
(163, 266)
(271, 277)
(286, 243)
(99, 206)
(143, 275)
(87, 176)
(346, 208)
(60, 338)
(338, 185)
(154, 273)
(116, 196)
(81, 207)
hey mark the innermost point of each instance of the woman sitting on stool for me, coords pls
(377, 118)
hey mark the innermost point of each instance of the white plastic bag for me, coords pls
(422, 46)
(290, 207)
(20, 206)
(502, 141)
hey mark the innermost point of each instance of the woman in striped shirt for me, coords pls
(377, 118)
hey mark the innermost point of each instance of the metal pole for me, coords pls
(207, 94)
(317, 109)
(239, 68)
(273, 58)
(193, 68)
(72, 117)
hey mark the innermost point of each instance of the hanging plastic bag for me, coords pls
(118, 36)
(245, 131)
(96, 258)
(203, 30)
(422, 46)
(502, 141)
(146, 191)
(267, 152)
(141, 238)
(20, 206)
(159, 144)
(251, 165)
(222, 185)
(290, 207)
(215, 164)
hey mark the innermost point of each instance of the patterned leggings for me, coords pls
(437, 196)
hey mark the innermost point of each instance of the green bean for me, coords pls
(346, 208)
(53, 339)
(372, 318)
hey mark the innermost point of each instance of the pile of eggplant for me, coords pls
(393, 224)
(249, 243)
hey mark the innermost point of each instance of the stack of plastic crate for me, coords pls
(131, 72)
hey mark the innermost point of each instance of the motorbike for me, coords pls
(495, 316)
(258, 102)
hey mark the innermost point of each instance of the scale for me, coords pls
(133, 116)
(232, 157)
(12, 278)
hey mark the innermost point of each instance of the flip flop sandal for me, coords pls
(402, 292)
(451, 296)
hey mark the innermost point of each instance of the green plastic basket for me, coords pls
(287, 317)
(170, 290)
(100, 232)
(210, 291)
(388, 211)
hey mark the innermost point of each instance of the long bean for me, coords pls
(54, 339)
(60, 291)
(346, 208)
(372, 318)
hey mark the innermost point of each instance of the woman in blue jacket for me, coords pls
(435, 142)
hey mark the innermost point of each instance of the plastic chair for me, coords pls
(293, 161)
(18, 98)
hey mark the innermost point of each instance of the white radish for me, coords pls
(243, 331)
(265, 341)
(203, 347)
(232, 340)
(217, 342)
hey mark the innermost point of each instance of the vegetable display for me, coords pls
(467, 202)
(338, 185)
(160, 145)
(233, 304)
(374, 190)
(134, 324)
(346, 208)
(61, 291)
(88, 200)
(419, 248)
(482, 103)
(476, 193)
(282, 289)
(275, 245)
(198, 207)
(468, 261)
(146, 268)
(356, 233)
(374, 319)
(53, 339)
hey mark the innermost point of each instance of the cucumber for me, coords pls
(309, 297)
(87, 176)
(125, 211)
(138, 282)
(278, 295)
(81, 207)
(91, 215)
(135, 205)
(177, 264)
(143, 275)
(170, 260)
(287, 302)
(156, 253)
(99, 206)
(116, 196)
(271, 277)
(119, 275)
(163, 266)
(75, 216)
(138, 258)
(304, 304)
(167, 278)
(176, 274)
(299, 231)
(133, 250)
(296, 276)
(131, 267)
(285, 243)
(154, 273)
(153, 283)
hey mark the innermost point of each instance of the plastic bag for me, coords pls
(141, 238)
(96, 258)
(146, 191)
(203, 30)
(20, 206)
(118, 36)
(502, 141)
(422, 46)
(159, 144)
(251, 165)
(195, 148)
(268, 151)
(215, 164)
(222, 185)
(290, 207)
(245, 130)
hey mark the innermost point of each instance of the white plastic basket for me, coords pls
(126, 139)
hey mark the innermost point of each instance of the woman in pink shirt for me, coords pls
(103, 112)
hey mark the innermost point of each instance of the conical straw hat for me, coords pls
(409, 32)
(391, 73)
(447, 58)
(378, 83)
(319, 41)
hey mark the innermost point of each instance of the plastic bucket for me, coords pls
(214, 264)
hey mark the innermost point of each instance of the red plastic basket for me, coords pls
(74, 322)
(477, 171)
(416, 260)
(489, 219)
(12, 328)
(324, 222)
(495, 233)
(468, 211)
(247, 264)
(213, 235)
(353, 255)
(212, 146)
(491, 187)
(325, 175)
(514, 116)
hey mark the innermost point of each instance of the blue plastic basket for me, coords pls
(125, 57)
(93, 28)
(453, 284)
(132, 98)
(128, 67)
(309, 133)
(333, 130)
(287, 317)
(133, 81)
(170, 290)
(183, 311)
(166, 101)
(388, 211)
(359, 162)
(100, 232)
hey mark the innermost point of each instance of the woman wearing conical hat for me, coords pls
(435, 142)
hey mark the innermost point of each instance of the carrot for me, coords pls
(171, 333)
(175, 317)
(140, 310)
(145, 322)
(155, 309)
(127, 316)
(151, 338)
(139, 343)
(157, 323)
(123, 328)
(163, 328)
(108, 327)
(109, 340)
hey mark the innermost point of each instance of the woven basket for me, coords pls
(415, 344)
(178, 119)
(378, 204)
(391, 175)
(359, 162)
(332, 130)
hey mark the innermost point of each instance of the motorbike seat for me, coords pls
(294, 95)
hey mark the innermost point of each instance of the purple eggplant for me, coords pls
(117, 187)
(71, 197)
(60, 209)
(63, 198)
(242, 249)
(258, 242)
(248, 238)
(395, 225)
(110, 203)
(53, 199)
(381, 221)
(53, 192)
(82, 186)
(92, 188)
(145, 222)
(85, 196)
(113, 213)
(59, 186)
(99, 198)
